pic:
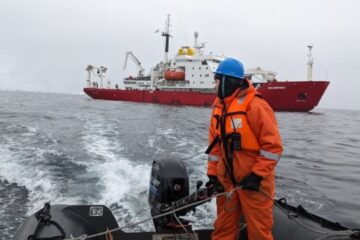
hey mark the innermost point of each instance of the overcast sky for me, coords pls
(45, 45)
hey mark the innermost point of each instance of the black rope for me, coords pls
(44, 218)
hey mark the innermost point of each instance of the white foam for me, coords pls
(25, 171)
(123, 183)
(122, 180)
(31, 131)
(169, 131)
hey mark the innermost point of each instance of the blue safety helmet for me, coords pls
(230, 72)
(230, 67)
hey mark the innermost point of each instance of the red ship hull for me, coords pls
(300, 96)
(297, 96)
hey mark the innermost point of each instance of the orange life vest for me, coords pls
(236, 122)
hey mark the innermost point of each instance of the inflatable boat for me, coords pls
(169, 201)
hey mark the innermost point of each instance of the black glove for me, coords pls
(213, 185)
(251, 182)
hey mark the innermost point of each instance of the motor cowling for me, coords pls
(169, 182)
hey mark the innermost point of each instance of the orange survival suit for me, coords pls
(249, 115)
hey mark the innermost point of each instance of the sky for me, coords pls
(45, 45)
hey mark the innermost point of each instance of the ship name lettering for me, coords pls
(275, 88)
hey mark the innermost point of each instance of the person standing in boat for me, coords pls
(244, 148)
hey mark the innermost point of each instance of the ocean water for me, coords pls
(70, 149)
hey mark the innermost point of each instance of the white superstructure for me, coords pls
(198, 69)
(190, 69)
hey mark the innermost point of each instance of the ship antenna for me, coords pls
(310, 64)
(167, 35)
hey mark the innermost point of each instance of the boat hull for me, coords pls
(76, 220)
(300, 96)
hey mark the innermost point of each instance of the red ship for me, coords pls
(187, 79)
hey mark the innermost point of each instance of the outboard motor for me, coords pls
(169, 182)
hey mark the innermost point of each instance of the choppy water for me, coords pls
(70, 149)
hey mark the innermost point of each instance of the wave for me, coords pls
(120, 179)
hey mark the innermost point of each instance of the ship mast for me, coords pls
(198, 46)
(310, 64)
(167, 35)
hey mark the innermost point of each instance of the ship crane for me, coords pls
(136, 61)
(96, 71)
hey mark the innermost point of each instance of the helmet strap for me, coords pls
(243, 84)
(223, 86)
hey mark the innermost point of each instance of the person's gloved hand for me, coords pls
(213, 186)
(251, 182)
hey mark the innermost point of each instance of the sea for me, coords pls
(71, 149)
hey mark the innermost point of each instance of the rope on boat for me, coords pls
(151, 218)
(326, 234)
(182, 225)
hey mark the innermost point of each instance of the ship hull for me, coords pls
(187, 98)
(298, 96)
(301, 96)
